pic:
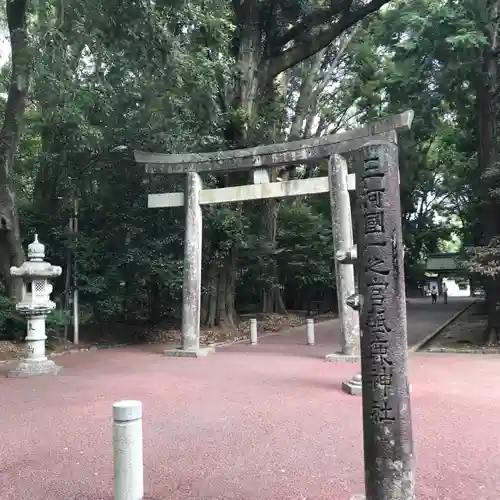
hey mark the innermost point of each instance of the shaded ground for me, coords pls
(418, 326)
(465, 334)
(246, 423)
(423, 318)
(114, 335)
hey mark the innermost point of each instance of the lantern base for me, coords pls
(34, 368)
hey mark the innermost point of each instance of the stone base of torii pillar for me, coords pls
(200, 352)
(338, 357)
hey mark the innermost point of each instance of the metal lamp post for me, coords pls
(73, 230)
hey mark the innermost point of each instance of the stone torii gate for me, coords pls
(387, 429)
(258, 159)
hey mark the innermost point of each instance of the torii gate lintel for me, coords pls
(378, 308)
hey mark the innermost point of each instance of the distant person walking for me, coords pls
(445, 293)
(434, 294)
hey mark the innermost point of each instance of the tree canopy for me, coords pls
(87, 82)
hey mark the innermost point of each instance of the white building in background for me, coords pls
(457, 287)
(446, 268)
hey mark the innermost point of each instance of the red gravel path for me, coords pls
(243, 424)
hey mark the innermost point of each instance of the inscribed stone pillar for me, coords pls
(387, 429)
(191, 290)
(344, 269)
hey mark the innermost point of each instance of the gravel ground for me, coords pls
(245, 423)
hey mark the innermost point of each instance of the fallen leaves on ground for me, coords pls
(266, 323)
(217, 335)
(10, 350)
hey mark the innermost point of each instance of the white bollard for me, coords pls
(310, 331)
(253, 331)
(127, 450)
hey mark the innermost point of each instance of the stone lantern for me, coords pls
(35, 305)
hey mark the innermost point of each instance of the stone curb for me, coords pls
(439, 329)
(100, 348)
(451, 350)
(69, 351)
(264, 335)
(97, 348)
(247, 339)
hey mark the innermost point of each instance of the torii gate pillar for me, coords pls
(191, 288)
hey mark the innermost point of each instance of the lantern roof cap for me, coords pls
(36, 250)
(35, 267)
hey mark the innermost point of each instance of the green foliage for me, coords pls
(164, 77)
(55, 324)
(304, 248)
(485, 260)
(12, 325)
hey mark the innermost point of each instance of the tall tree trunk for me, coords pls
(312, 85)
(225, 293)
(218, 303)
(231, 267)
(487, 158)
(209, 298)
(262, 55)
(221, 310)
(11, 249)
(246, 85)
(272, 299)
